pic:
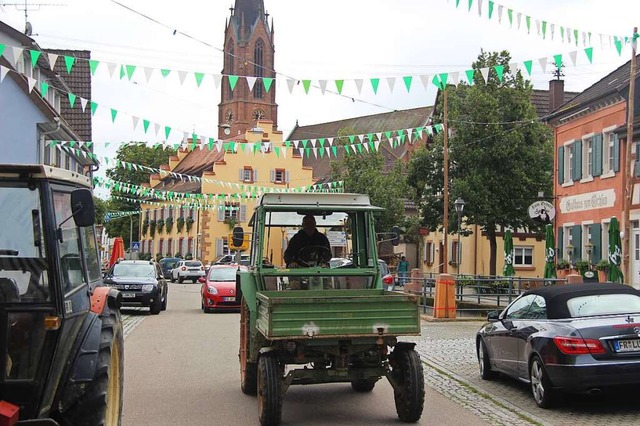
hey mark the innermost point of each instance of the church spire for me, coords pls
(249, 11)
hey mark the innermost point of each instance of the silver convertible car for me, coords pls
(576, 338)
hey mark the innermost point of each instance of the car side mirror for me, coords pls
(493, 316)
(238, 236)
(202, 280)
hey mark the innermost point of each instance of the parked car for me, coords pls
(218, 289)
(141, 283)
(578, 337)
(167, 264)
(231, 258)
(187, 270)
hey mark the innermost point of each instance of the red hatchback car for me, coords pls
(218, 290)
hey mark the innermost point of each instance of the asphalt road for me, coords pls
(181, 367)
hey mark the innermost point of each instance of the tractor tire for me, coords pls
(270, 393)
(248, 370)
(363, 385)
(156, 307)
(409, 394)
(101, 404)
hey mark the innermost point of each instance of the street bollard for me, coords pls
(444, 305)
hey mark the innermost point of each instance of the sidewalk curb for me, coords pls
(429, 318)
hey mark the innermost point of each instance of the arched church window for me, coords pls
(230, 65)
(258, 60)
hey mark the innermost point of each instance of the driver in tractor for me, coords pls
(308, 247)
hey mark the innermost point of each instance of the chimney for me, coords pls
(556, 94)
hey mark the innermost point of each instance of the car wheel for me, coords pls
(484, 361)
(408, 389)
(180, 280)
(543, 394)
(156, 307)
(202, 304)
(173, 280)
(194, 280)
(270, 393)
(164, 301)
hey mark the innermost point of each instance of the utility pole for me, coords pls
(445, 220)
(627, 175)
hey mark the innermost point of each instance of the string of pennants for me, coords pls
(545, 29)
(142, 191)
(181, 205)
(119, 214)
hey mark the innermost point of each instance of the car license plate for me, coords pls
(128, 295)
(631, 345)
(194, 270)
(229, 299)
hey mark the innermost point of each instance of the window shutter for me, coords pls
(561, 165)
(616, 153)
(221, 213)
(576, 241)
(577, 161)
(559, 249)
(286, 176)
(241, 175)
(597, 154)
(637, 162)
(273, 176)
(219, 247)
(596, 240)
(243, 213)
(255, 175)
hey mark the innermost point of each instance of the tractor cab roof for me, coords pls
(40, 171)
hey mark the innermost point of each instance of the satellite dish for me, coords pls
(28, 30)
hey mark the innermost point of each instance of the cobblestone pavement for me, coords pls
(131, 318)
(450, 348)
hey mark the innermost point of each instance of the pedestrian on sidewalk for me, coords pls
(403, 271)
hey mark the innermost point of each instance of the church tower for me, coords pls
(249, 52)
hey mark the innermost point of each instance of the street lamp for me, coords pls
(459, 205)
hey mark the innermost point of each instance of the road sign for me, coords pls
(135, 246)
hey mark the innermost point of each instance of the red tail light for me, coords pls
(202, 268)
(387, 279)
(578, 346)
(184, 268)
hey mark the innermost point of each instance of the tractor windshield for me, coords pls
(23, 266)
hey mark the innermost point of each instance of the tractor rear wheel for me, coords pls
(409, 390)
(101, 404)
(248, 370)
(270, 393)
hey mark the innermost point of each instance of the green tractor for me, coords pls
(61, 347)
(323, 320)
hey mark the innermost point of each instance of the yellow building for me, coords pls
(230, 182)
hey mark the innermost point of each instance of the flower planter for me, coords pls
(602, 276)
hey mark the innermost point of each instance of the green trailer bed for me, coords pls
(336, 314)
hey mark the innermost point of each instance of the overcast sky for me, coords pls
(328, 39)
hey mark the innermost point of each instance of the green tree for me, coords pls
(500, 155)
(137, 153)
(101, 207)
(366, 173)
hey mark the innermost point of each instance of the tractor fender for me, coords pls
(105, 296)
(267, 349)
(402, 346)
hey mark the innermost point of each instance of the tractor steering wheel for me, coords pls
(318, 255)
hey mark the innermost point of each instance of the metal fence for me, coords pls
(477, 294)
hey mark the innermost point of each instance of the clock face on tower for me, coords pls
(259, 114)
(228, 116)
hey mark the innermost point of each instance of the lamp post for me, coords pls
(459, 205)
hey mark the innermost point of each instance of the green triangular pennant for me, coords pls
(544, 30)
(94, 107)
(374, 84)
(306, 84)
(233, 80)
(167, 131)
(72, 99)
(443, 79)
(352, 138)
(276, 149)
(469, 74)
(618, 44)
(510, 13)
(44, 88)
(145, 124)
(165, 72)
(589, 52)
(575, 36)
(527, 65)
(35, 54)
(321, 153)
(407, 81)
(304, 143)
(267, 81)
(457, 3)
(130, 70)
(93, 65)
(359, 146)
(339, 84)
(2, 46)
(199, 76)
(122, 72)
(335, 151)
(558, 60)
(69, 61)
(499, 70)
(113, 115)
(490, 9)
(528, 19)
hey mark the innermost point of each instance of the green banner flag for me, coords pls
(407, 82)
(94, 107)
(35, 54)
(233, 80)
(72, 99)
(304, 143)
(287, 144)
(267, 81)
(167, 131)
(122, 72)
(339, 84)
(618, 44)
(589, 52)
(352, 138)
(470, 4)
(457, 3)
(93, 66)
(44, 88)
(199, 76)
(113, 115)
(558, 60)
(2, 47)
(528, 18)
(575, 36)
(510, 13)
(527, 65)
(491, 4)
(443, 79)
(145, 124)
(469, 74)
(130, 70)
(276, 149)
(499, 70)
(306, 84)
(335, 151)
(562, 33)
(165, 72)
(359, 146)
(69, 61)
(374, 84)
(544, 30)
(321, 152)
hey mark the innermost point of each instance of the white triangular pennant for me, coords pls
(392, 82)
(500, 9)
(32, 82)
(538, 26)
(323, 86)
(479, 7)
(366, 146)
(111, 67)
(217, 78)
(553, 30)
(361, 137)
(313, 142)
(330, 141)
(485, 74)
(156, 127)
(519, 19)
(182, 75)
(290, 83)
(296, 143)
(455, 77)
(3, 72)
(543, 64)
(135, 121)
(148, 72)
(513, 68)
(328, 151)
(569, 31)
(52, 59)
(17, 55)
(573, 56)
(83, 103)
(315, 152)
(377, 145)
(426, 80)
(251, 81)
(358, 82)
